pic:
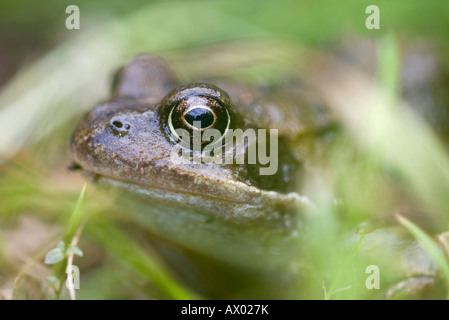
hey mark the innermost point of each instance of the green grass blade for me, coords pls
(430, 246)
(333, 288)
(121, 246)
(78, 216)
(389, 66)
(399, 296)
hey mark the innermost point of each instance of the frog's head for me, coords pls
(130, 141)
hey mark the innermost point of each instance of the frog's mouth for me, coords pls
(251, 206)
(227, 231)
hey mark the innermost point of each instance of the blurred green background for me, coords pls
(50, 76)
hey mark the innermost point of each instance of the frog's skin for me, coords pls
(225, 212)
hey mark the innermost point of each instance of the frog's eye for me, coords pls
(198, 114)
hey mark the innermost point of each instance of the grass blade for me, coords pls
(430, 246)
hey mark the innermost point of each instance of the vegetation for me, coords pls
(67, 71)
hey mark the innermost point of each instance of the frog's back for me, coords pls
(292, 108)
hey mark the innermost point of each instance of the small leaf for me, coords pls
(52, 281)
(75, 250)
(54, 256)
(61, 245)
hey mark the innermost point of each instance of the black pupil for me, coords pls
(202, 115)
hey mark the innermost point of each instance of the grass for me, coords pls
(384, 148)
(431, 247)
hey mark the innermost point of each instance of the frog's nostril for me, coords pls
(117, 124)
(119, 128)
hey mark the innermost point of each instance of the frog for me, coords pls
(125, 142)
(226, 220)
